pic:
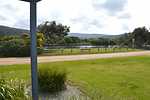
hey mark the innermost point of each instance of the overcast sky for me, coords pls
(83, 16)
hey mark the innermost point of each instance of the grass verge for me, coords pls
(124, 78)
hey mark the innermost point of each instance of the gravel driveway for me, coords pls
(42, 59)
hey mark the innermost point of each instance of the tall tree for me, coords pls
(53, 32)
(140, 36)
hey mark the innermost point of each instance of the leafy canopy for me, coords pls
(53, 32)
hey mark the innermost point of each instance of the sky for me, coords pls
(83, 16)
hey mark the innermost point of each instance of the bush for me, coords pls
(15, 48)
(12, 90)
(40, 50)
(51, 80)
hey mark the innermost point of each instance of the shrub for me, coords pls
(15, 48)
(12, 90)
(51, 80)
(40, 50)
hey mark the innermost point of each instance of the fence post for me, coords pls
(98, 49)
(71, 50)
(105, 49)
(61, 51)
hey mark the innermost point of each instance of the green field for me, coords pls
(74, 51)
(125, 78)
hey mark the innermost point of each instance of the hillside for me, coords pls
(4, 30)
(87, 35)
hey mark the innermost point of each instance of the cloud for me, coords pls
(125, 27)
(94, 21)
(9, 7)
(111, 6)
(87, 23)
(124, 16)
(86, 16)
(22, 23)
(2, 18)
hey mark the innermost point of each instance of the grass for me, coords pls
(75, 51)
(106, 79)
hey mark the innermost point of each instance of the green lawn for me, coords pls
(74, 51)
(109, 79)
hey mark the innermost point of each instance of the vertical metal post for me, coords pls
(34, 73)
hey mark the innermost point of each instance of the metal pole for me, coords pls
(34, 73)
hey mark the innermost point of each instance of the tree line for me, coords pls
(58, 34)
(52, 33)
(139, 38)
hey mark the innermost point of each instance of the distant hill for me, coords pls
(4, 30)
(87, 35)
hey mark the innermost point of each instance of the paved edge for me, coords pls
(44, 59)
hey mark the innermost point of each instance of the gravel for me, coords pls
(70, 93)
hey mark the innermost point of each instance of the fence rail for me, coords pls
(84, 50)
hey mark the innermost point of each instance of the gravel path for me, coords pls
(42, 59)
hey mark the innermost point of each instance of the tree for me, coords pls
(53, 33)
(138, 38)
(124, 40)
(141, 36)
(102, 41)
(40, 39)
(71, 40)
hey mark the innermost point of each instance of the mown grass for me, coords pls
(106, 79)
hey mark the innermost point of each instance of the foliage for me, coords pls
(12, 90)
(71, 40)
(138, 38)
(53, 33)
(51, 80)
(102, 41)
(141, 36)
(16, 46)
(8, 37)
(124, 40)
(40, 39)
